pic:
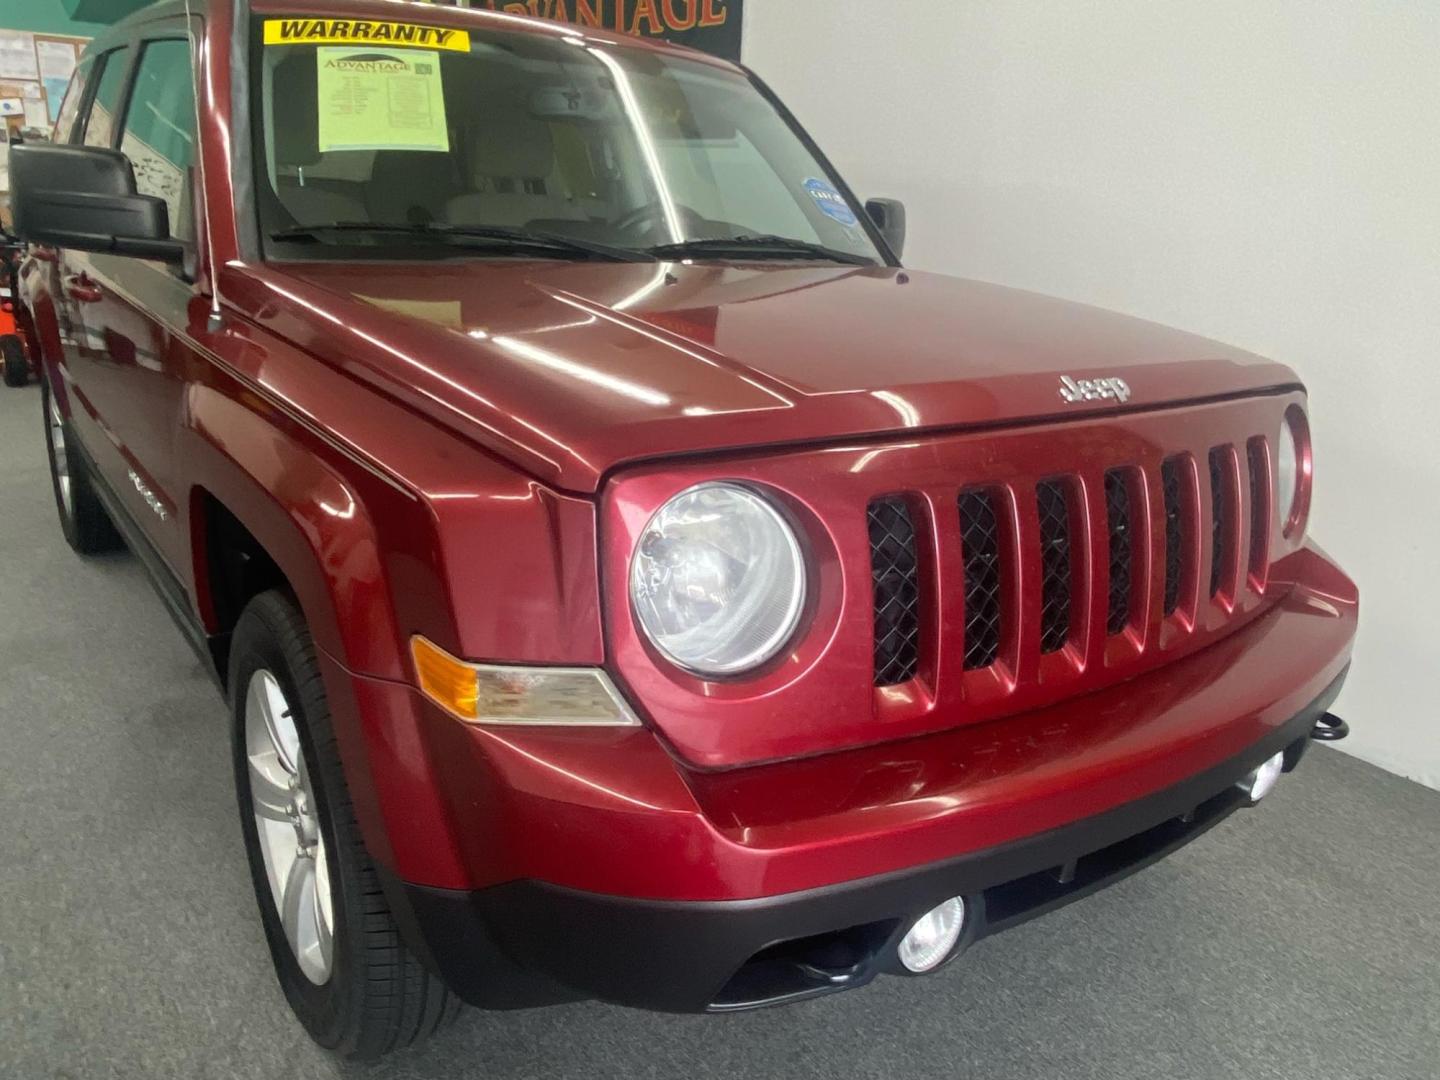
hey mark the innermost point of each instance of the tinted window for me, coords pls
(70, 107)
(100, 126)
(159, 136)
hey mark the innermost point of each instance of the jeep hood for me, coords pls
(570, 370)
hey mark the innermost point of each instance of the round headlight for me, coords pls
(1287, 471)
(1292, 487)
(718, 580)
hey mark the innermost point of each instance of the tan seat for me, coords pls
(511, 155)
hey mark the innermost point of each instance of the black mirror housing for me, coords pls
(84, 198)
(889, 217)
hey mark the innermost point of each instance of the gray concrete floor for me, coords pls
(1299, 940)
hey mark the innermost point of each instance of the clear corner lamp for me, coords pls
(518, 694)
(718, 580)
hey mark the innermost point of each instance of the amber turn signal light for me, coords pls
(518, 694)
(448, 682)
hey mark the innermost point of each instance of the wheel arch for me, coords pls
(273, 506)
(270, 509)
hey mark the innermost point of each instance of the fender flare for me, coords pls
(285, 486)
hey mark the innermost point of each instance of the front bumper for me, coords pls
(532, 865)
(525, 943)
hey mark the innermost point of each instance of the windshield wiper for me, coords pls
(758, 247)
(495, 236)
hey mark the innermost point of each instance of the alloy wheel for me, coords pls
(288, 826)
(60, 457)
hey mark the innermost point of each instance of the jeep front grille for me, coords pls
(1088, 556)
(980, 549)
(1170, 480)
(1259, 459)
(1054, 514)
(1221, 527)
(1117, 520)
(895, 570)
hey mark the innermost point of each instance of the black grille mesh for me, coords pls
(1174, 547)
(986, 553)
(896, 574)
(1117, 514)
(1259, 509)
(980, 550)
(1219, 526)
(1054, 565)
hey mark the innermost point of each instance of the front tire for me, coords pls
(17, 368)
(87, 527)
(337, 950)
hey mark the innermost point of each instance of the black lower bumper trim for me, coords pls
(527, 943)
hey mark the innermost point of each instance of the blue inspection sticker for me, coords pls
(831, 203)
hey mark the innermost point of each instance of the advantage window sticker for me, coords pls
(380, 99)
(363, 32)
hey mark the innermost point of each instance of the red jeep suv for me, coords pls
(627, 580)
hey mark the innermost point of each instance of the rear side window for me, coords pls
(100, 125)
(70, 107)
(159, 136)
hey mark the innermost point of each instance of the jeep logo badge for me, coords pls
(1074, 391)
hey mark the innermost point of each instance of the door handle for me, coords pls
(80, 287)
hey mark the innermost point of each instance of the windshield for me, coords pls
(523, 134)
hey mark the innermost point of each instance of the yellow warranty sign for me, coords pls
(363, 32)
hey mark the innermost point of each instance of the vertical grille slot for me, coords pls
(1117, 515)
(980, 553)
(1174, 533)
(1259, 507)
(1220, 526)
(1054, 514)
(895, 571)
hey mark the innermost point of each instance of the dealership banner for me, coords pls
(712, 25)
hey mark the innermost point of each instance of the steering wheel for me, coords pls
(652, 214)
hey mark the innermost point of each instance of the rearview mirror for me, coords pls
(84, 198)
(889, 217)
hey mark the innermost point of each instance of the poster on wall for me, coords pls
(56, 59)
(40, 66)
(55, 94)
(36, 114)
(711, 25)
(17, 56)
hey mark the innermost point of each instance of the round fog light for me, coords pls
(933, 937)
(1262, 781)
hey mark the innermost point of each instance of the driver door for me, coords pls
(132, 353)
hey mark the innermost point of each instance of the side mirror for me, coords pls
(889, 217)
(84, 198)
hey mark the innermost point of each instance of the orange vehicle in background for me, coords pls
(12, 345)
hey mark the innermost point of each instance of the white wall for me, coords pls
(1264, 173)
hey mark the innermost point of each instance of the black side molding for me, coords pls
(166, 585)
